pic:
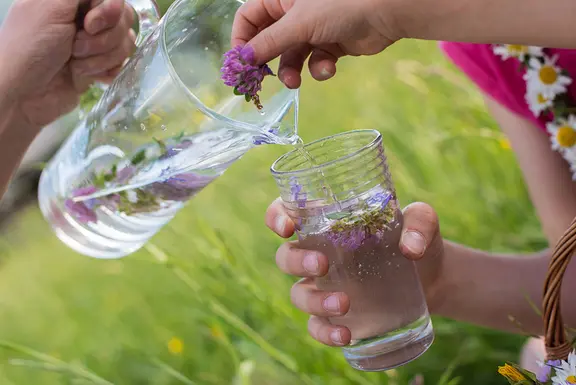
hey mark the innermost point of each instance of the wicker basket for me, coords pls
(557, 344)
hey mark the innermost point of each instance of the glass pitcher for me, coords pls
(164, 129)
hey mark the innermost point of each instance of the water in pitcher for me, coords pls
(117, 201)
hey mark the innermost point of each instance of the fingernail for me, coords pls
(98, 24)
(414, 241)
(325, 73)
(280, 223)
(80, 47)
(336, 336)
(310, 263)
(332, 304)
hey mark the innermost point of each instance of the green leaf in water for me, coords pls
(338, 215)
(139, 157)
(161, 144)
(247, 97)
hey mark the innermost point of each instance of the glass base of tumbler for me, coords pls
(392, 349)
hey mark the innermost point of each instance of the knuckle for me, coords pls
(423, 214)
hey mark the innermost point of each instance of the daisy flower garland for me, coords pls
(547, 95)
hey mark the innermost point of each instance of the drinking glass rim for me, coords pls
(367, 146)
(182, 86)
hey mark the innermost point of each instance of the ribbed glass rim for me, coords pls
(377, 139)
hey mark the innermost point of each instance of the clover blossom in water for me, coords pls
(296, 193)
(246, 78)
(179, 187)
(351, 230)
(263, 139)
(145, 199)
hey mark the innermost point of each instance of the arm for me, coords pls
(16, 135)
(486, 288)
(530, 22)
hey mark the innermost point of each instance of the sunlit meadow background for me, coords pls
(204, 304)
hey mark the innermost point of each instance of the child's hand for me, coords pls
(420, 238)
(326, 29)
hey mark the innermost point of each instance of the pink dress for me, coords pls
(503, 80)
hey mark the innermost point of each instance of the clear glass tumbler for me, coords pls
(345, 206)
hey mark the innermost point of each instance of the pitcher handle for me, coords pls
(147, 11)
(148, 17)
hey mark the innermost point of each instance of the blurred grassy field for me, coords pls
(204, 303)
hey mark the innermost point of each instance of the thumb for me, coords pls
(419, 231)
(278, 38)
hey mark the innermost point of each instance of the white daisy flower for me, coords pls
(536, 100)
(563, 134)
(507, 51)
(566, 373)
(570, 156)
(547, 77)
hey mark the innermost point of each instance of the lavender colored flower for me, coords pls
(179, 187)
(83, 211)
(296, 193)
(349, 239)
(381, 198)
(174, 150)
(238, 71)
(543, 374)
(263, 139)
(125, 174)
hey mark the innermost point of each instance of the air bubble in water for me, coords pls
(142, 127)
(163, 127)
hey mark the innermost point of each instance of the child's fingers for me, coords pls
(302, 263)
(278, 220)
(308, 298)
(420, 229)
(323, 331)
(291, 64)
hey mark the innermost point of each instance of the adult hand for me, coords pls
(324, 29)
(420, 241)
(47, 63)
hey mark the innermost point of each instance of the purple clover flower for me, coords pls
(179, 187)
(543, 374)
(381, 198)
(262, 139)
(349, 240)
(83, 211)
(174, 150)
(238, 71)
(296, 194)
(125, 174)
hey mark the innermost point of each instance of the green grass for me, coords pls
(209, 279)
